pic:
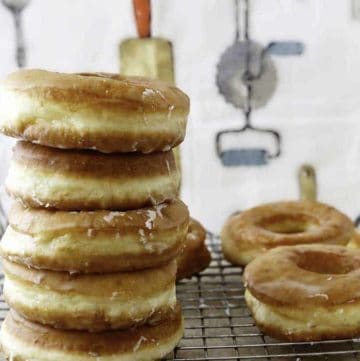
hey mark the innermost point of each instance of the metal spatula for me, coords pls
(145, 55)
(148, 56)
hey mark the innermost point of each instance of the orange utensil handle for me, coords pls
(142, 10)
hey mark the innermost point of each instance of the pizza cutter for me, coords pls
(247, 78)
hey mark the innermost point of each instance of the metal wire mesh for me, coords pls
(218, 325)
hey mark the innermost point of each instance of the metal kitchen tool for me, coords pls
(16, 7)
(241, 58)
(247, 156)
(246, 77)
(307, 182)
(146, 56)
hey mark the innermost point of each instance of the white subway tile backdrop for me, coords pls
(316, 106)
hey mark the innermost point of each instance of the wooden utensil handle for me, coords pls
(142, 10)
(307, 183)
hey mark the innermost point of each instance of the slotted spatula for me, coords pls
(147, 56)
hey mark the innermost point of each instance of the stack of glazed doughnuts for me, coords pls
(90, 254)
(301, 281)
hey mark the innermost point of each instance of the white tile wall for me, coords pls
(316, 106)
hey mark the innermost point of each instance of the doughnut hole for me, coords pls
(326, 263)
(288, 223)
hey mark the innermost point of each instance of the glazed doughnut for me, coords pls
(194, 257)
(82, 179)
(104, 112)
(90, 302)
(95, 241)
(248, 234)
(305, 293)
(26, 341)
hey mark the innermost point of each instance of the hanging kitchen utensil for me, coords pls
(247, 156)
(16, 7)
(146, 56)
(307, 182)
(240, 58)
(247, 78)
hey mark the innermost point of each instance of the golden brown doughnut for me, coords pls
(93, 301)
(194, 257)
(95, 241)
(85, 180)
(306, 292)
(26, 341)
(104, 112)
(248, 234)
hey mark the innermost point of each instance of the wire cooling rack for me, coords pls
(218, 325)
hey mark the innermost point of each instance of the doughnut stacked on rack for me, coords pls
(90, 253)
